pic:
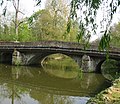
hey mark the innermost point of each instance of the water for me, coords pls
(47, 85)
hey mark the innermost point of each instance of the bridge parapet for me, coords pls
(56, 44)
(53, 44)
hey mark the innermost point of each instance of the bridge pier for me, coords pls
(86, 63)
(19, 58)
(16, 58)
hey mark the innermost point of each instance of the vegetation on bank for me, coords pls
(110, 95)
(115, 35)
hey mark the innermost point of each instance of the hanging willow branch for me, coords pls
(87, 12)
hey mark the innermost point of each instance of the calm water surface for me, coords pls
(48, 85)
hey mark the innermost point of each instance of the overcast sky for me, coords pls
(29, 6)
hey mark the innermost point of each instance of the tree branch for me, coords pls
(20, 23)
(14, 4)
(21, 12)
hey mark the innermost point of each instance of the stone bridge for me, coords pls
(30, 53)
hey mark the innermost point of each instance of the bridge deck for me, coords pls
(53, 44)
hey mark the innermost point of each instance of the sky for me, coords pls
(29, 6)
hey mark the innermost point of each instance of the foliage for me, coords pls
(105, 42)
(115, 35)
(7, 32)
(88, 12)
(110, 95)
(110, 69)
(25, 33)
(83, 11)
(50, 23)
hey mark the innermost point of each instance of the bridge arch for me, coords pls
(39, 58)
(84, 61)
(102, 62)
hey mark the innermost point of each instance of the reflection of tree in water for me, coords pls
(10, 90)
(13, 92)
(110, 69)
(61, 66)
(32, 81)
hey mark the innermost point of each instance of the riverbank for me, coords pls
(110, 95)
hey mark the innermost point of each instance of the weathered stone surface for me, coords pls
(86, 63)
(16, 58)
(28, 53)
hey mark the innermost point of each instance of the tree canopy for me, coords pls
(87, 12)
(50, 23)
(115, 35)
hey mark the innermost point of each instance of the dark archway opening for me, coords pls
(98, 67)
(6, 58)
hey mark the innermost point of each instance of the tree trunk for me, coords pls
(16, 6)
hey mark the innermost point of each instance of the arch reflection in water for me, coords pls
(60, 65)
(31, 85)
(110, 69)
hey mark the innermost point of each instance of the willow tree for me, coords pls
(88, 12)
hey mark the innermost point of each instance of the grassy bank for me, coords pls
(109, 96)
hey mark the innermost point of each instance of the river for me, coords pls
(51, 84)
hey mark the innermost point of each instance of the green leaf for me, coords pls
(68, 26)
(118, 2)
(38, 2)
(4, 10)
(2, 2)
